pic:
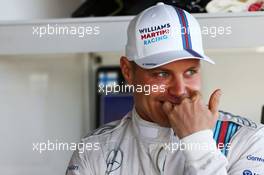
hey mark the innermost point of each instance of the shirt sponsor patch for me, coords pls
(249, 172)
(73, 167)
(255, 158)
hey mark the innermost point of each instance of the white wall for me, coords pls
(41, 99)
(37, 9)
(240, 75)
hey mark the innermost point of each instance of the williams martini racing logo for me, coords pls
(155, 33)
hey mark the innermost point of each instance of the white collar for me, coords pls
(149, 130)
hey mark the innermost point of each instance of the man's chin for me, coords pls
(161, 115)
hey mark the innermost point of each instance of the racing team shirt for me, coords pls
(133, 146)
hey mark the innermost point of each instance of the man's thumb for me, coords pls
(215, 101)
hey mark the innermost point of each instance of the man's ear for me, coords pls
(127, 69)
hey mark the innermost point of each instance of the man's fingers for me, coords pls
(214, 102)
(167, 107)
(195, 95)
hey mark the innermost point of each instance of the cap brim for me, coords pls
(160, 59)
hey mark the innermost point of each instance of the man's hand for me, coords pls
(192, 115)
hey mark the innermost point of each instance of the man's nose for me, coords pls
(177, 87)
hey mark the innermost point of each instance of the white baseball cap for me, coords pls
(162, 34)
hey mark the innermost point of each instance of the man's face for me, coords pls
(178, 78)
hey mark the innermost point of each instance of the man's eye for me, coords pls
(191, 72)
(162, 74)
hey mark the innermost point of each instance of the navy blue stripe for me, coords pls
(187, 29)
(215, 128)
(193, 53)
(228, 137)
(182, 26)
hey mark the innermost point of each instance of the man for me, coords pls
(170, 131)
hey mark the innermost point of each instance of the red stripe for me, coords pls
(186, 30)
(223, 131)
